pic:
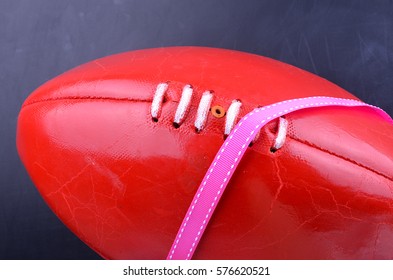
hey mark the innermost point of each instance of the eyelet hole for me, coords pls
(218, 111)
(154, 119)
(176, 125)
(273, 150)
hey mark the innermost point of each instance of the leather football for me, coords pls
(117, 148)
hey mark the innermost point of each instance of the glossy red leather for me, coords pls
(123, 183)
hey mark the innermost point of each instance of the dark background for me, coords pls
(347, 42)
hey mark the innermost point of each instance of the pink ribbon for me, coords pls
(228, 158)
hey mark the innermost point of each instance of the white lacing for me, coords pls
(204, 107)
(157, 101)
(203, 110)
(183, 106)
(281, 134)
(231, 117)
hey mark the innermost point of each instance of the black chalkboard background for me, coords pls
(347, 42)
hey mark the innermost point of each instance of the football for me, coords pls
(117, 148)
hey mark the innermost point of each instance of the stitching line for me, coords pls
(311, 145)
(85, 98)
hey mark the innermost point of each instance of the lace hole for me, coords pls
(273, 150)
(217, 111)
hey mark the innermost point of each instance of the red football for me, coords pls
(118, 147)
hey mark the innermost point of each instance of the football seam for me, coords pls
(125, 99)
(85, 98)
(311, 145)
